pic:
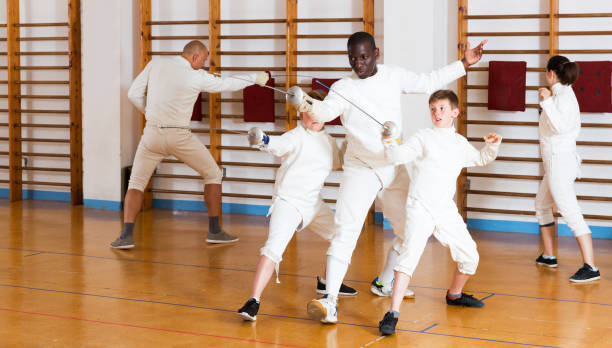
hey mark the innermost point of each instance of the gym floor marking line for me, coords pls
(57, 316)
(486, 297)
(288, 274)
(430, 327)
(260, 314)
(374, 341)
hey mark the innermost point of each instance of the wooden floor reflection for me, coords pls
(62, 286)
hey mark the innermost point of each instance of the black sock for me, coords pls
(213, 224)
(128, 228)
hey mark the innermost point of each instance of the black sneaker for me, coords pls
(542, 261)
(344, 289)
(585, 274)
(249, 310)
(387, 325)
(465, 300)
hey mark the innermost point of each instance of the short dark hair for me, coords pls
(445, 94)
(567, 72)
(361, 37)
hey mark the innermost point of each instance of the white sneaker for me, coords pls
(323, 309)
(379, 289)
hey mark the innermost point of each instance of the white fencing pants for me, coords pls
(447, 226)
(557, 187)
(284, 221)
(358, 188)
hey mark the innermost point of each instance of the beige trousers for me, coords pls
(158, 143)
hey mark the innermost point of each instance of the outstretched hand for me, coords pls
(473, 55)
(492, 138)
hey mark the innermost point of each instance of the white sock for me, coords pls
(387, 275)
(549, 257)
(336, 270)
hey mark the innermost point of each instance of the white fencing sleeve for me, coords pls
(332, 106)
(213, 84)
(486, 155)
(407, 152)
(560, 112)
(279, 146)
(136, 93)
(411, 82)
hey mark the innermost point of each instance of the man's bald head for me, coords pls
(194, 47)
(196, 53)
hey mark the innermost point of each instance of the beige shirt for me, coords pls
(167, 88)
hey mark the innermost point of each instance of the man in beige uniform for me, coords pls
(165, 92)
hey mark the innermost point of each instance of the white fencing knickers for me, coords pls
(557, 187)
(285, 220)
(358, 188)
(447, 226)
(158, 143)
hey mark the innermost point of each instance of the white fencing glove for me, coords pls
(262, 78)
(257, 138)
(390, 134)
(301, 101)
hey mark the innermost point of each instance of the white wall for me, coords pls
(109, 126)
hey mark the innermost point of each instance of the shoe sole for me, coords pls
(546, 265)
(322, 292)
(214, 241)
(386, 333)
(316, 311)
(377, 292)
(584, 280)
(123, 247)
(247, 317)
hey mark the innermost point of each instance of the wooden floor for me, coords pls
(61, 286)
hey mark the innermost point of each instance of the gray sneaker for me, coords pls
(220, 237)
(123, 243)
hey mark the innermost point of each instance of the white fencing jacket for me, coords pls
(307, 159)
(379, 96)
(559, 122)
(438, 155)
(167, 88)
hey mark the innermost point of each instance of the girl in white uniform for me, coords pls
(308, 155)
(559, 127)
(438, 155)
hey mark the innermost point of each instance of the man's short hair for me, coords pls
(361, 37)
(193, 47)
(445, 94)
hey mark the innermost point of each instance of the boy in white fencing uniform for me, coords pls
(165, 92)
(435, 158)
(308, 155)
(377, 90)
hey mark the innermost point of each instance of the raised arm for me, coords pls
(406, 152)
(322, 111)
(278, 146)
(137, 91)
(411, 82)
(560, 111)
(486, 155)
(214, 84)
